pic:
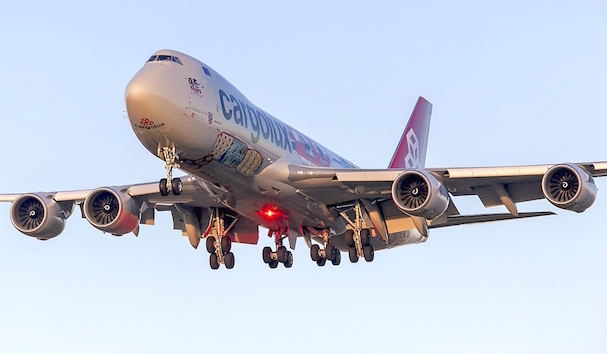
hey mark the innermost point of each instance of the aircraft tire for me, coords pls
(213, 261)
(226, 244)
(369, 253)
(177, 186)
(273, 264)
(349, 235)
(336, 258)
(282, 254)
(321, 261)
(210, 244)
(162, 185)
(266, 255)
(365, 237)
(353, 255)
(229, 260)
(329, 252)
(289, 262)
(314, 252)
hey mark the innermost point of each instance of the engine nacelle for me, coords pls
(419, 193)
(38, 216)
(569, 187)
(111, 210)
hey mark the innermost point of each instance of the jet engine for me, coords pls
(111, 210)
(569, 187)
(38, 216)
(419, 193)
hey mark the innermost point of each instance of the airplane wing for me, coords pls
(147, 191)
(493, 185)
(189, 210)
(336, 186)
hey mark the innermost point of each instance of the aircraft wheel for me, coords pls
(369, 253)
(164, 191)
(229, 260)
(266, 254)
(226, 244)
(289, 262)
(282, 254)
(211, 244)
(349, 235)
(214, 262)
(314, 252)
(365, 237)
(177, 186)
(273, 264)
(321, 261)
(353, 255)
(336, 258)
(329, 252)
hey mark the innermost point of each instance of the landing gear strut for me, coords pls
(169, 184)
(219, 245)
(358, 239)
(329, 252)
(282, 255)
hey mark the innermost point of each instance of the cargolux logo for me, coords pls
(412, 158)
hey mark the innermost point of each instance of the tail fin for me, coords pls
(411, 151)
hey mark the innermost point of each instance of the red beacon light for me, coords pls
(270, 213)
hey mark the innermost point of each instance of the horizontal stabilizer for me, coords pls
(481, 218)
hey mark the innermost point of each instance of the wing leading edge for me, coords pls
(189, 210)
(493, 185)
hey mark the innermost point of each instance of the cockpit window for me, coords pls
(165, 58)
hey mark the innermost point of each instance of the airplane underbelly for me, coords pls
(248, 196)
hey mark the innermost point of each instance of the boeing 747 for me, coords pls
(246, 169)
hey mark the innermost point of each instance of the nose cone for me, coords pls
(148, 102)
(153, 104)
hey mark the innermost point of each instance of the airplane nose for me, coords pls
(152, 102)
(158, 107)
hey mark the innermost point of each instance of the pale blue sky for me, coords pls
(514, 82)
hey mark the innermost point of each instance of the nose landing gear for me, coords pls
(169, 184)
(282, 255)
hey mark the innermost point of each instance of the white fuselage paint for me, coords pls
(226, 141)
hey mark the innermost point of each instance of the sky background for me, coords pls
(512, 82)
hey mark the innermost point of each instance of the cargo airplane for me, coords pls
(247, 169)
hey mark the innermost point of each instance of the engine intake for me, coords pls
(419, 193)
(111, 210)
(569, 187)
(38, 216)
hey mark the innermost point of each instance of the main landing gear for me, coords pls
(282, 255)
(359, 245)
(358, 239)
(219, 245)
(169, 184)
(329, 252)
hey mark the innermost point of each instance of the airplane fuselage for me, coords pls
(226, 141)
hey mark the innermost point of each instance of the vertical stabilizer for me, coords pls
(411, 150)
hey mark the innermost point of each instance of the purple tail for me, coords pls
(411, 150)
